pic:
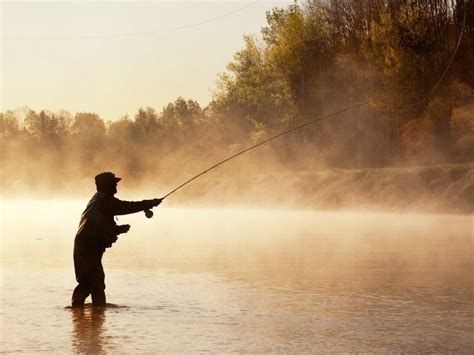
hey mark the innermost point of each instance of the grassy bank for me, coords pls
(437, 188)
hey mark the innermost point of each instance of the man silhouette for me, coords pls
(98, 231)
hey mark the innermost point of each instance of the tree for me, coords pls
(181, 113)
(88, 128)
(9, 126)
(47, 127)
(145, 125)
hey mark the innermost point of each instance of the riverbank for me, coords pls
(433, 189)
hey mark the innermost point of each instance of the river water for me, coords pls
(242, 280)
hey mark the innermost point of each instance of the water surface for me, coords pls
(242, 280)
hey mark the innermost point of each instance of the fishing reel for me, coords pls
(148, 213)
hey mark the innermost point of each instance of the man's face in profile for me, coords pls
(114, 188)
(109, 188)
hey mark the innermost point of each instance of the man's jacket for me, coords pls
(97, 228)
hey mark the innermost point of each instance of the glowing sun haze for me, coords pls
(115, 76)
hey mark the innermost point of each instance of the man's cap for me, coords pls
(106, 178)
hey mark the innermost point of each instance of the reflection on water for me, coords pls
(88, 329)
(243, 281)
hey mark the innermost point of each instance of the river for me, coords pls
(241, 280)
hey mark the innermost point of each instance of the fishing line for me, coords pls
(133, 34)
(424, 98)
(448, 67)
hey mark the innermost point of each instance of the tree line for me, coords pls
(310, 59)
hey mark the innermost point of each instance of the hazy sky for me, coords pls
(115, 76)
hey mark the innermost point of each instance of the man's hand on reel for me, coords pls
(153, 203)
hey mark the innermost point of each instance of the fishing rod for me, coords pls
(307, 123)
(149, 213)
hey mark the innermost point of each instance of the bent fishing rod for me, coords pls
(307, 123)
(149, 213)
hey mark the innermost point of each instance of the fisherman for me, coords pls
(98, 231)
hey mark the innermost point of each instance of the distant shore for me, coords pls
(436, 188)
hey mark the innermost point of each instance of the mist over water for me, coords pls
(249, 280)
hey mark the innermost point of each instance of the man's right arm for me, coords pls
(118, 207)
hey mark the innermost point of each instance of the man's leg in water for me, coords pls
(90, 276)
(82, 270)
(81, 292)
(98, 286)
